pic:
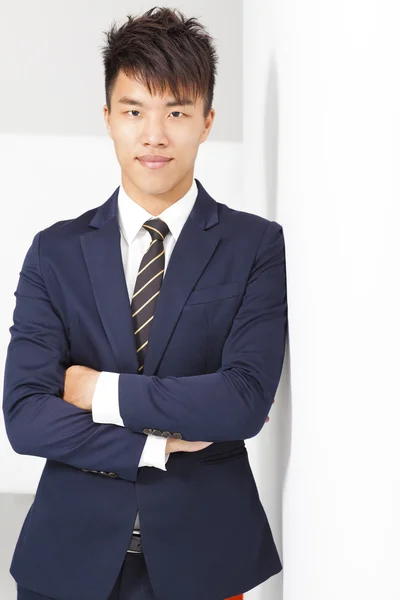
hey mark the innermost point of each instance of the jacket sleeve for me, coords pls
(232, 403)
(38, 421)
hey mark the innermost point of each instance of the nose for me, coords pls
(153, 132)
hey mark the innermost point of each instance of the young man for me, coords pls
(147, 345)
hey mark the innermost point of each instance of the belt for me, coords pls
(135, 544)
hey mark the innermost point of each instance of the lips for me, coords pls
(153, 158)
(152, 161)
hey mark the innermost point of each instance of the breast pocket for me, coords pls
(216, 292)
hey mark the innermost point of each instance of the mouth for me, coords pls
(154, 164)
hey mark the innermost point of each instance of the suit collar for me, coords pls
(204, 211)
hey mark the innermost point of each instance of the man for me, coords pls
(147, 345)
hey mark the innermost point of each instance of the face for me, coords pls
(141, 125)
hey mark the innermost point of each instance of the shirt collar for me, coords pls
(131, 215)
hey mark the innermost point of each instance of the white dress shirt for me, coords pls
(135, 240)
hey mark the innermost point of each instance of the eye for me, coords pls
(176, 112)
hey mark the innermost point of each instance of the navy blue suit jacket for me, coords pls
(212, 368)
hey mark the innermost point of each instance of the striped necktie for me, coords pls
(147, 286)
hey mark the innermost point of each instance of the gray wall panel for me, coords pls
(51, 67)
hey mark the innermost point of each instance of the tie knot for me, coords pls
(157, 228)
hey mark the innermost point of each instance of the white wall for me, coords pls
(321, 148)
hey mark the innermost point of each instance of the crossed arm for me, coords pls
(79, 387)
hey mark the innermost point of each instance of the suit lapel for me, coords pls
(102, 252)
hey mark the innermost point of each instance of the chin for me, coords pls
(153, 188)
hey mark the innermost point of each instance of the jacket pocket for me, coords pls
(216, 292)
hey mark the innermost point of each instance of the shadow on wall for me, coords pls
(279, 434)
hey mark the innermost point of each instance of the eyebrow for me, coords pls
(133, 102)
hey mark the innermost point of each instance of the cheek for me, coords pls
(188, 147)
(124, 145)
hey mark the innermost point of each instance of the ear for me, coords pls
(207, 125)
(107, 120)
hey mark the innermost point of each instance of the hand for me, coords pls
(174, 445)
(79, 385)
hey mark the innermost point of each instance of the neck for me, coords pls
(155, 204)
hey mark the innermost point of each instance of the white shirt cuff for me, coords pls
(153, 454)
(105, 401)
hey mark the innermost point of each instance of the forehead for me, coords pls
(126, 89)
